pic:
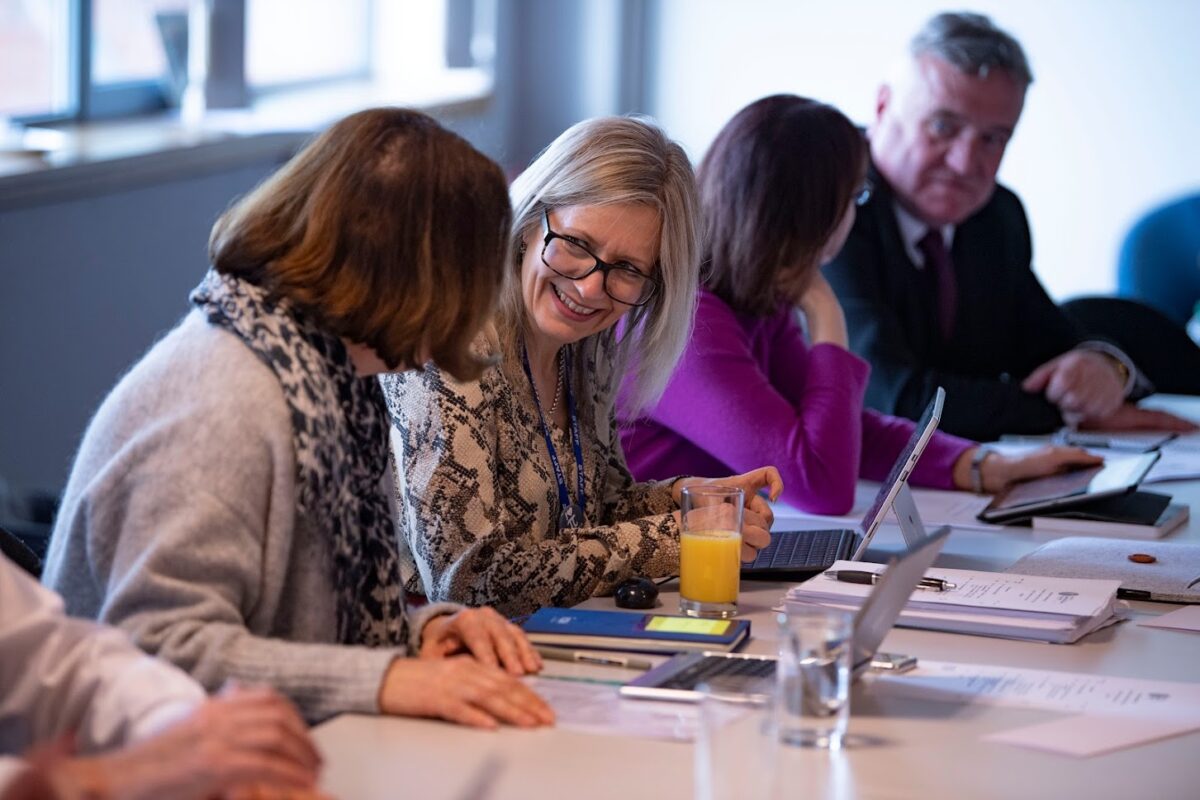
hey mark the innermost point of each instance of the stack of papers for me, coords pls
(1006, 605)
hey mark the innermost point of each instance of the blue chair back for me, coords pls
(1160, 259)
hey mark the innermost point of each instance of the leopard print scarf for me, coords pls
(340, 432)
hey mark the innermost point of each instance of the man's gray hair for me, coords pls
(973, 44)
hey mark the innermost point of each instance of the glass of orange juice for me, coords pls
(710, 544)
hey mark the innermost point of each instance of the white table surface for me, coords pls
(918, 749)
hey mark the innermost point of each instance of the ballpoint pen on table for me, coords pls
(585, 657)
(870, 578)
(1144, 445)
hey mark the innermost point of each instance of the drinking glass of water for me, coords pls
(813, 676)
(736, 744)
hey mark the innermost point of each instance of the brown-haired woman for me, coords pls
(229, 503)
(778, 188)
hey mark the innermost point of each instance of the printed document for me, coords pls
(1070, 692)
(1001, 604)
(595, 707)
(1086, 735)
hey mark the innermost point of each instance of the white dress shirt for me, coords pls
(59, 674)
(912, 230)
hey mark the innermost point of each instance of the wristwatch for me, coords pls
(977, 469)
(1121, 367)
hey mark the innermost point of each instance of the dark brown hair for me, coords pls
(388, 229)
(773, 187)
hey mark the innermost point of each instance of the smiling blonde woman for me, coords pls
(513, 489)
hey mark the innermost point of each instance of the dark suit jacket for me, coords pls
(1005, 327)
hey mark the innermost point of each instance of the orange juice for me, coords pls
(709, 566)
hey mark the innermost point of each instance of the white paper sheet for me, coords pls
(937, 507)
(1093, 734)
(595, 707)
(1178, 463)
(1182, 619)
(1055, 691)
(1186, 441)
(994, 592)
(957, 509)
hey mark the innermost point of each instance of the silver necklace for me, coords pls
(557, 386)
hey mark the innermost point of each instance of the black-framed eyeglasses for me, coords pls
(573, 260)
(863, 193)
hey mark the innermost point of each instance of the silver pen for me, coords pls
(587, 657)
(871, 578)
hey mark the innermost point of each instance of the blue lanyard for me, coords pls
(571, 515)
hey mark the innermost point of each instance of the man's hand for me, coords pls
(757, 517)
(241, 739)
(1129, 417)
(260, 791)
(483, 633)
(462, 690)
(1084, 384)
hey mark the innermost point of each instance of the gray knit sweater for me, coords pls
(179, 524)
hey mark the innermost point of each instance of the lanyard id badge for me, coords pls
(571, 514)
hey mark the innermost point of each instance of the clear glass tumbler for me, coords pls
(710, 545)
(736, 756)
(813, 676)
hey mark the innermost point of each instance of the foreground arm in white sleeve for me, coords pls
(64, 675)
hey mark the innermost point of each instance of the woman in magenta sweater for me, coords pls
(779, 188)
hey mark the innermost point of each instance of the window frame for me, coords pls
(227, 86)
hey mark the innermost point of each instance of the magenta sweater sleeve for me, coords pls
(753, 395)
(884, 435)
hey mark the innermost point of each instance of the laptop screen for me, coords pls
(882, 607)
(901, 468)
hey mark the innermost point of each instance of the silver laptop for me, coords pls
(798, 555)
(678, 677)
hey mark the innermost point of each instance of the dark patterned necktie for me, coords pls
(937, 258)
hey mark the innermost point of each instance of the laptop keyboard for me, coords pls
(710, 667)
(799, 550)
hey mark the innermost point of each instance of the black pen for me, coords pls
(871, 578)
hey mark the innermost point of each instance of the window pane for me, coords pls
(126, 44)
(293, 41)
(35, 62)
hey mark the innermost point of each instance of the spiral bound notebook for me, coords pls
(1164, 571)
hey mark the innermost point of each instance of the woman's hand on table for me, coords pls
(484, 634)
(999, 471)
(757, 517)
(461, 689)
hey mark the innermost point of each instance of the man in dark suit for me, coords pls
(935, 277)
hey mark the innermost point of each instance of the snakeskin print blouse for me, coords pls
(477, 502)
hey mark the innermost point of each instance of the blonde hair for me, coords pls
(604, 161)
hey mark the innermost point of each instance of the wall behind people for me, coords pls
(88, 284)
(90, 278)
(1110, 126)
